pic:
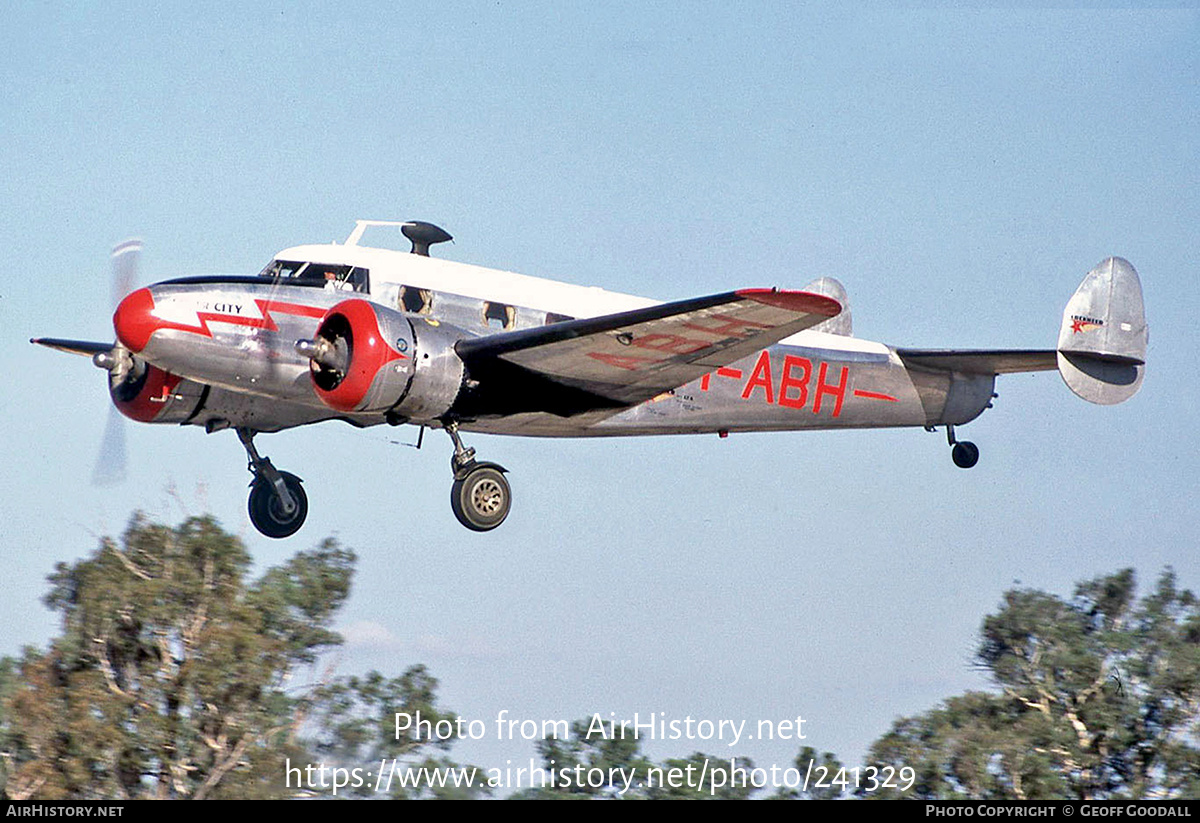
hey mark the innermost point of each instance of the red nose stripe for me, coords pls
(133, 320)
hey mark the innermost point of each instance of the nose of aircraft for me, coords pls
(134, 320)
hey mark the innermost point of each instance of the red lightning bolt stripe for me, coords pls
(135, 321)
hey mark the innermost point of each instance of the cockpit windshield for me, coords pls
(332, 277)
(281, 268)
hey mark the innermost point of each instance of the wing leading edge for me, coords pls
(622, 359)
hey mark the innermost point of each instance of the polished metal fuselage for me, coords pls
(232, 343)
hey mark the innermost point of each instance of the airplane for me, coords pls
(370, 335)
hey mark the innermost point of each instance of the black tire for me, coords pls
(965, 454)
(266, 510)
(481, 499)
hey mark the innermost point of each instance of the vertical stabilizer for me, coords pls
(842, 324)
(1102, 342)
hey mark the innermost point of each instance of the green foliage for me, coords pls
(354, 723)
(176, 677)
(588, 755)
(586, 747)
(826, 779)
(1099, 697)
(8, 684)
(702, 777)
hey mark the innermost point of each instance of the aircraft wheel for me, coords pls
(481, 498)
(266, 509)
(965, 454)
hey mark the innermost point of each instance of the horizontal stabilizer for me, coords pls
(1102, 342)
(980, 361)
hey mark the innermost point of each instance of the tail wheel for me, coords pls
(267, 511)
(481, 498)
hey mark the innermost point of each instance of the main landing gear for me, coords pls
(480, 496)
(278, 504)
(964, 453)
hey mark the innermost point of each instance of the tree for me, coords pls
(176, 677)
(355, 724)
(587, 751)
(703, 777)
(596, 761)
(1099, 697)
(827, 778)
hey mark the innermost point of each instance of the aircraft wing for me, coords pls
(622, 359)
(84, 347)
(981, 361)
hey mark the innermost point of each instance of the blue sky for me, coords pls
(958, 171)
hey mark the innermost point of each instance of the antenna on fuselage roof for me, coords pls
(422, 234)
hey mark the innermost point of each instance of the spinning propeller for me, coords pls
(111, 461)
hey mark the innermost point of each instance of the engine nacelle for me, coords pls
(369, 358)
(146, 393)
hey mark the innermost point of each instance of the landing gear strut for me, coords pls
(964, 453)
(480, 496)
(278, 504)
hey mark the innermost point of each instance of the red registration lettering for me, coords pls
(724, 371)
(620, 361)
(800, 384)
(761, 376)
(838, 391)
(726, 326)
(796, 374)
(671, 343)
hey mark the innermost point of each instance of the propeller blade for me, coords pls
(126, 259)
(111, 461)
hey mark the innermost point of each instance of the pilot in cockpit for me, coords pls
(331, 281)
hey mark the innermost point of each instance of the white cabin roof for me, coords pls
(404, 268)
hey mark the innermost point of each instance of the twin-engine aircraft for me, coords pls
(372, 335)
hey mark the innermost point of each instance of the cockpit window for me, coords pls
(319, 275)
(281, 268)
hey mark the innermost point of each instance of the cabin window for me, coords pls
(417, 301)
(498, 315)
(553, 317)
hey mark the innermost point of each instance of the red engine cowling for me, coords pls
(369, 358)
(150, 395)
